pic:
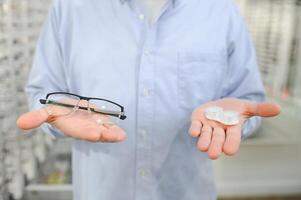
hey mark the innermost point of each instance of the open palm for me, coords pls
(80, 124)
(216, 138)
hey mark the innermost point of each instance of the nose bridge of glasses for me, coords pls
(83, 103)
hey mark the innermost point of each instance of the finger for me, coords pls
(112, 134)
(93, 135)
(216, 145)
(233, 139)
(195, 128)
(32, 119)
(108, 131)
(265, 109)
(205, 138)
(101, 134)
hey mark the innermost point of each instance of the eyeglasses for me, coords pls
(64, 103)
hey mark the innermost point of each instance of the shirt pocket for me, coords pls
(200, 77)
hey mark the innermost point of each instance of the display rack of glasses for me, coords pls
(275, 28)
(20, 153)
(295, 72)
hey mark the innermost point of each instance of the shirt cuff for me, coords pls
(250, 127)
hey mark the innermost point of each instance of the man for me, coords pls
(165, 62)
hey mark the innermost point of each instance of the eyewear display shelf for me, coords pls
(275, 27)
(20, 153)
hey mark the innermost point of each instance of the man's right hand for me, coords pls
(80, 125)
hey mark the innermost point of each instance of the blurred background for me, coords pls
(268, 166)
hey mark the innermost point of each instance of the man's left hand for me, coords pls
(216, 138)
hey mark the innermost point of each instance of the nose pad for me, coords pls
(86, 104)
(89, 108)
(80, 103)
(74, 109)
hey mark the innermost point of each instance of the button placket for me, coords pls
(145, 115)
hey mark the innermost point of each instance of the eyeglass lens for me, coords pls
(66, 104)
(104, 107)
(62, 104)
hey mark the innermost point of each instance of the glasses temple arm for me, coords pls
(112, 113)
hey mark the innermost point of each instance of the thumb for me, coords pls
(32, 119)
(265, 109)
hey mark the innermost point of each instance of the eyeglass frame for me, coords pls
(120, 114)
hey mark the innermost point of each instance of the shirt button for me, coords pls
(146, 52)
(146, 92)
(141, 16)
(143, 173)
(143, 133)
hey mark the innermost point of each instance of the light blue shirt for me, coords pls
(197, 51)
